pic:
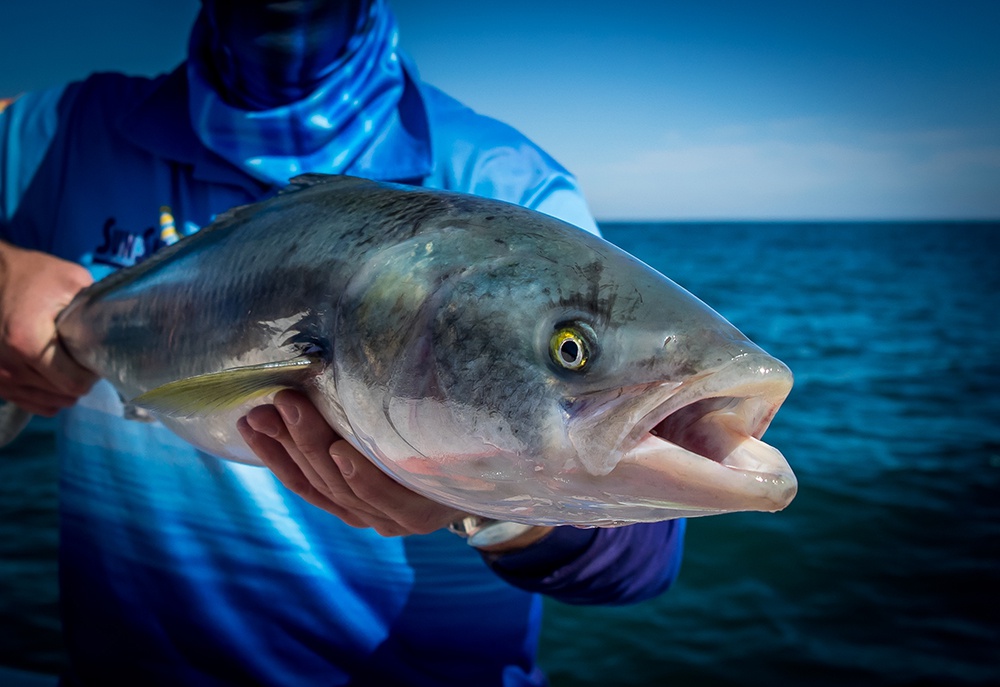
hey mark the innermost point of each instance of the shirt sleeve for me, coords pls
(611, 566)
(28, 127)
(483, 156)
(567, 203)
(521, 173)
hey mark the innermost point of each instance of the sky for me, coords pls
(697, 110)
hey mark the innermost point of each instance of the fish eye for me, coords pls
(569, 348)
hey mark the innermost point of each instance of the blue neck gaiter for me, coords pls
(315, 112)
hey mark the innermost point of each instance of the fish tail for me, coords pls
(13, 419)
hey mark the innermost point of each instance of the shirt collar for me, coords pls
(160, 124)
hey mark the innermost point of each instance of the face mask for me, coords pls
(259, 54)
(317, 101)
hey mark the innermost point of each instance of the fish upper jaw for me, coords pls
(743, 397)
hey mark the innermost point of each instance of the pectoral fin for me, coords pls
(227, 389)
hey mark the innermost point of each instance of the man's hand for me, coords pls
(36, 373)
(312, 460)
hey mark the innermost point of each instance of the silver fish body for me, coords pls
(485, 355)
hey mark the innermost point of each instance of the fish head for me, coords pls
(548, 377)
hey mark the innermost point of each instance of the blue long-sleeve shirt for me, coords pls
(180, 568)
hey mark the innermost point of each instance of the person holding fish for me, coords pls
(178, 567)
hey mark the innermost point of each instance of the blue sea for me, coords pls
(885, 570)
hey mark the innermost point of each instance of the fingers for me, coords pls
(47, 362)
(274, 455)
(410, 512)
(310, 436)
(35, 371)
(65, 373)
(52, 381)
(313, 439)
(294, 440)
(35, 400)
(286, 457)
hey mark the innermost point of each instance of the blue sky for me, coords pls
(665, 110)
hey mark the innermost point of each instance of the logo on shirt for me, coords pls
(124, 248)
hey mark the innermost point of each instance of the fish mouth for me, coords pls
(700, 451)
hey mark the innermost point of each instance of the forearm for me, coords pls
(597, 566)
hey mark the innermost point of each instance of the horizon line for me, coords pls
(803, 220)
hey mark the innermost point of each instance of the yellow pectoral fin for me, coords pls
(227, 389)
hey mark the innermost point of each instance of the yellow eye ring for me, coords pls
(569, 349)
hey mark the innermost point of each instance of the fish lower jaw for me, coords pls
(750, 476)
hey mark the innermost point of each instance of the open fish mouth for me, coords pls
(718, 428)
(700, 449)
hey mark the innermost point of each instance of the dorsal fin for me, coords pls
(227, 216)
(304, 181)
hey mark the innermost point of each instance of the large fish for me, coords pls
(485, 355)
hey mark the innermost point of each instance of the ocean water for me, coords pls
(885, 570)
